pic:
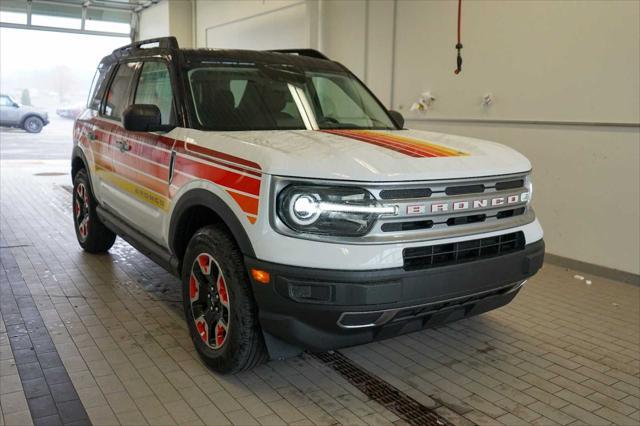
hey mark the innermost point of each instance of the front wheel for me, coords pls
(218, 303)
(92, 235)
(33, 124)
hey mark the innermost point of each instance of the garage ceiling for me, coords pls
(98, 17)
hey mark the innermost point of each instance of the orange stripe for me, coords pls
(247, 204)
(145, 181)
(100, 162)
(421, 144)
(424, 146)
(422, 151)
(405, 145)
(408, 152)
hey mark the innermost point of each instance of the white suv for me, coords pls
(296, 209)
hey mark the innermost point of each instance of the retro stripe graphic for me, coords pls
(143, 171)
(403, 144)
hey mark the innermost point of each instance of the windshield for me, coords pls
(253, 98)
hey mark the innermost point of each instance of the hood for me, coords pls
(374, 156)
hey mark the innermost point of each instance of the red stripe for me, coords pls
(437, 151)
(181, 150)
(168, 143)
(145, 166)
(247, 204)
(223, 156)
(423, 151)
(389, 143)
(217, 175)
(401, 150)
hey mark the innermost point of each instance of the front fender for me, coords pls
(203, 197)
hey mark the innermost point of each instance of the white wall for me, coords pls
(168, 17)
(568, 62)
(254, 24)
(154, 21)
(561, 61)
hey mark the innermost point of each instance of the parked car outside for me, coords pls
(71, 111)
(12, 114)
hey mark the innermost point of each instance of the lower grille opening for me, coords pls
(464, 251)
(463, 220)
(510, 213)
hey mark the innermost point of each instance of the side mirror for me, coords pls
(15, 105)
(143, 118)
(397, 118)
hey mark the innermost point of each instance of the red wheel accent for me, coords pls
(193, 288)
(209, 299)
(205, 263)
(221, 334)
(81, 210)
(203, 330)
(222, 291)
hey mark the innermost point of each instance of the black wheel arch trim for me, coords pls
(202, 197)
(78, 153)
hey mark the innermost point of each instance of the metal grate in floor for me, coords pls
(394, 400)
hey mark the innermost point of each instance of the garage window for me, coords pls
(118, 95)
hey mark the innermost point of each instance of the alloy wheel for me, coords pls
(81, 210)
(209, 298)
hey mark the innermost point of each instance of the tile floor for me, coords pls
(101, 339)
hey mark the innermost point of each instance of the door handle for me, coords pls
(123, 145)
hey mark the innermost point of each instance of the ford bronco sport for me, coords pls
(297, 211)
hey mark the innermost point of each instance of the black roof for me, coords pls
(302, 58)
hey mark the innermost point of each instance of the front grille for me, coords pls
(452, 221)
(450, 189)
(464, 251)
(464, 189)
(403, 194)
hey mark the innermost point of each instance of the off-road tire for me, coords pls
(243, 347)
(95, 237)
(33, 124)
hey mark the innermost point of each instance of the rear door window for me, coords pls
(118, 95)
(154, 88)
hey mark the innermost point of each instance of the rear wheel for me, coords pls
(218, 303)
(92, 235)
(33, 124)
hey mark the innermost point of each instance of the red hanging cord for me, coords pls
(459, 45)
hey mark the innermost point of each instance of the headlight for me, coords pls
(528, 184)
(325, 210)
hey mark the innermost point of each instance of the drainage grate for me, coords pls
(401, 404)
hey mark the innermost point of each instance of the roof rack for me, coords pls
(312, 53)
(163, 43)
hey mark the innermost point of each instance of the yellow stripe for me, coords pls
(138, 191)
(417, 142)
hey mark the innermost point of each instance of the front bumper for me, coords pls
(321, 309)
